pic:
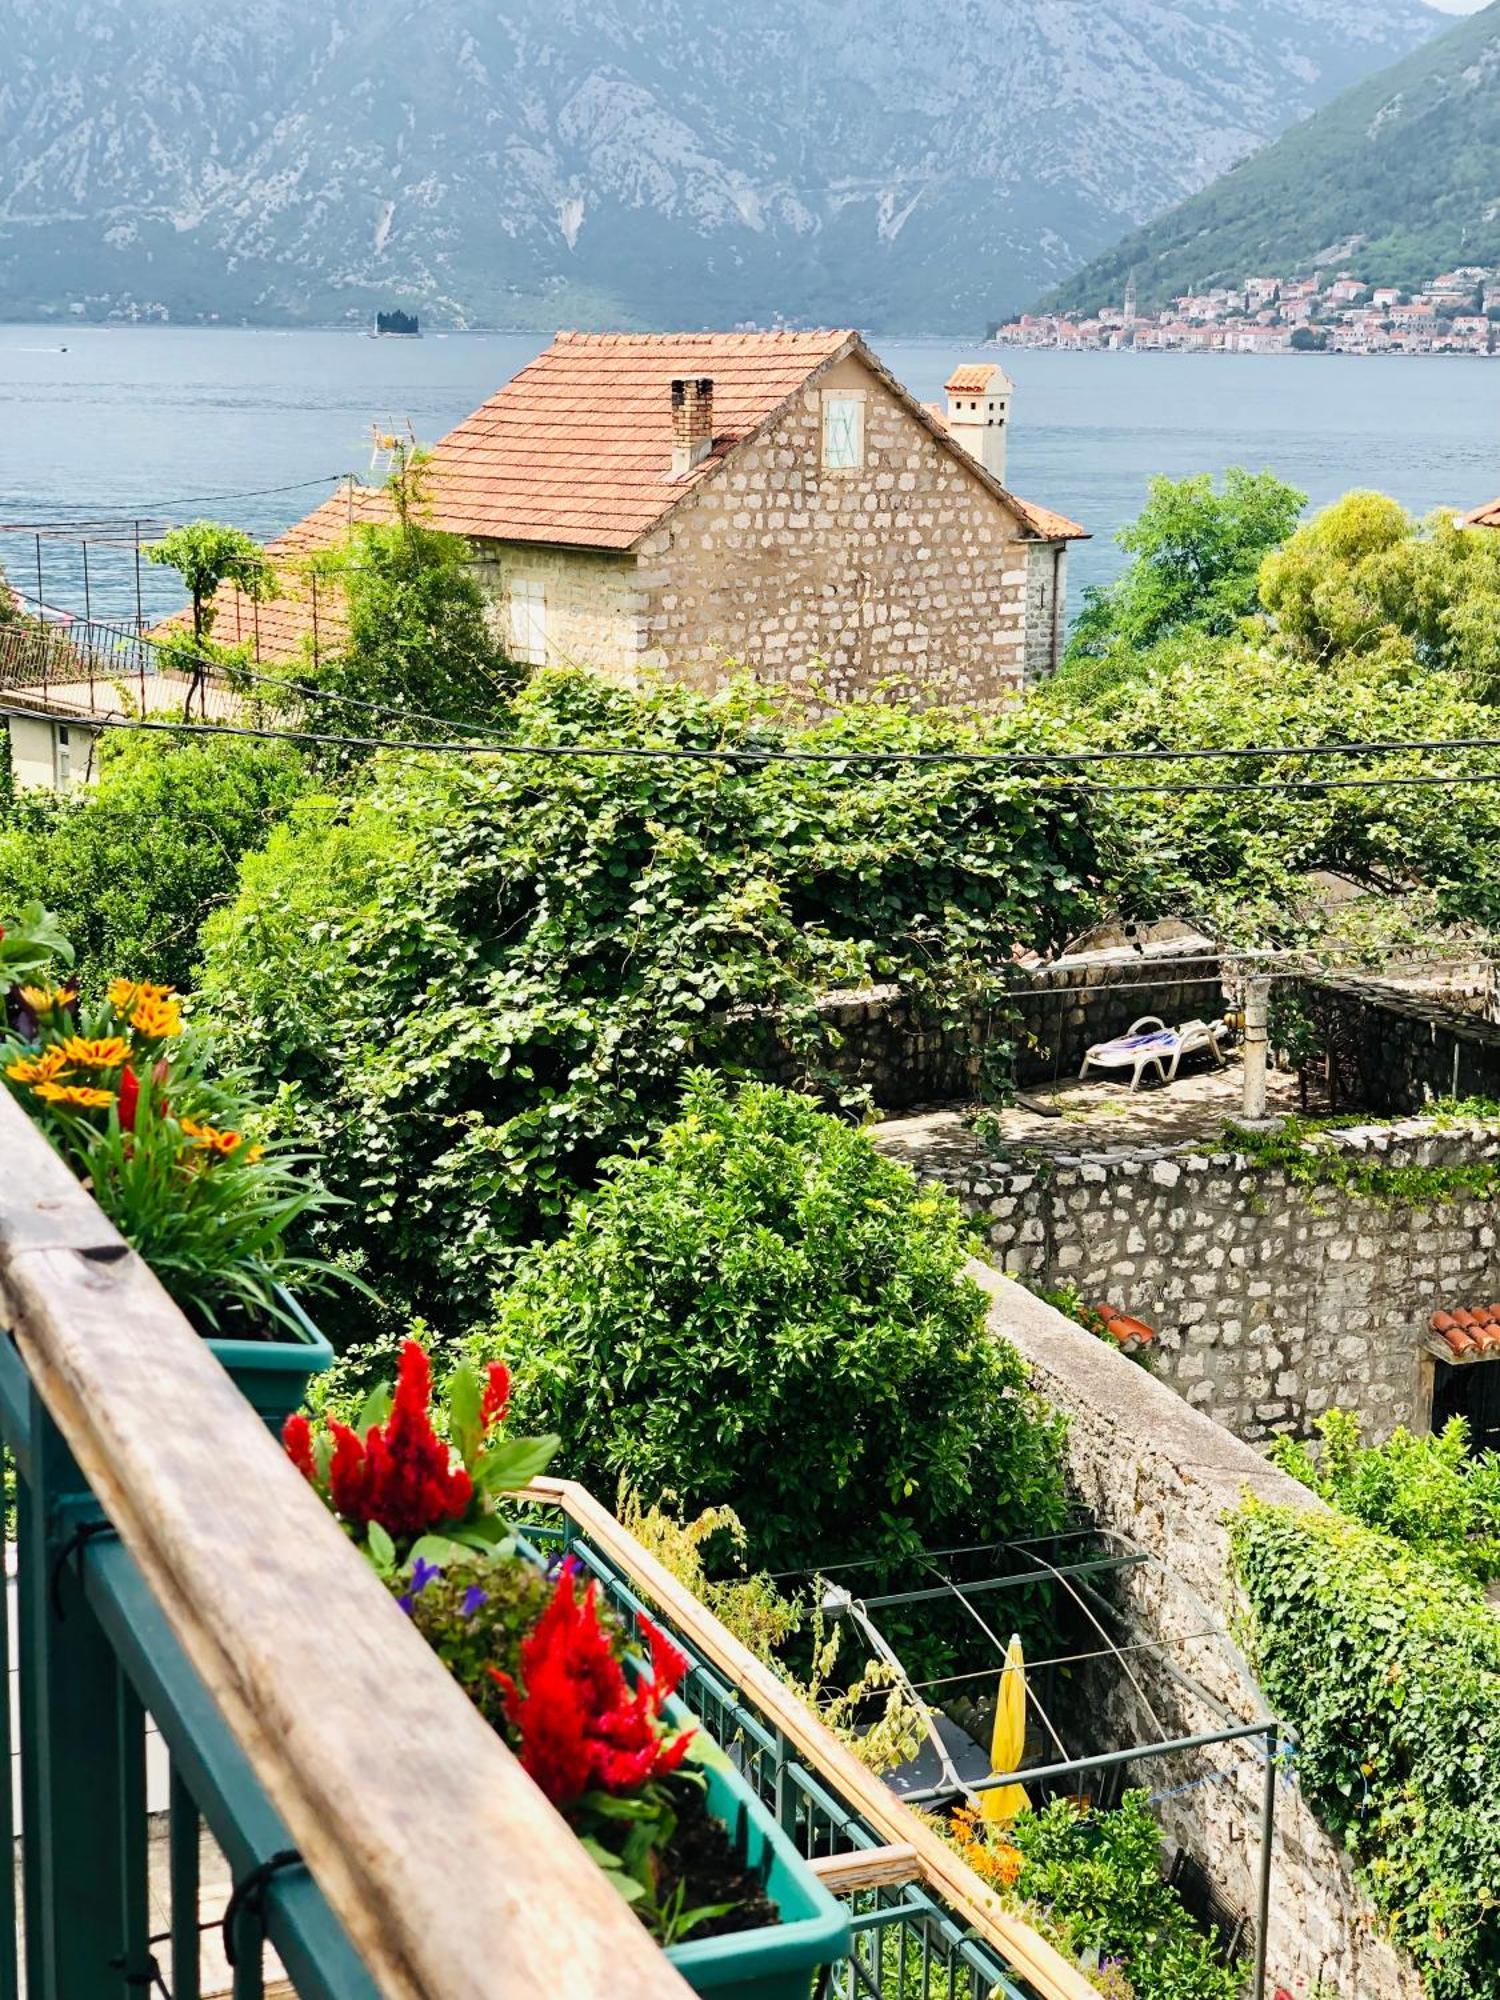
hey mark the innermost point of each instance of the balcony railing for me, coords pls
(380, 1837)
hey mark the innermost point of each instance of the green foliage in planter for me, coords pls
(1427, 1491)
(495, 975)
(1095, 1880)
(133, 865)
(766, 1313)
(474, 1613)
(1388, 1667)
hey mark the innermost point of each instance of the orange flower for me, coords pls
(994, 1862)
(78, 1096)
(127, 993)
(157, 1019)
(106, 1053)
(212, 1140)
(46, 1067)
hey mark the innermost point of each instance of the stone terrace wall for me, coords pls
(1272, 1302)
(1395, 1050)
(907, 1051)
(1150, 1468)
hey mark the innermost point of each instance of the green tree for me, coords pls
(766, 1313)
(418, 636)
(1196, 553)
(132, 866)
(496, 974)
(206, 554)
(1363, 574)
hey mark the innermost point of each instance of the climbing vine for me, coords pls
(1297, 1149)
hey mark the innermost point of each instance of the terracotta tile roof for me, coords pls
(974, 378)
(577, 448)
(1469, 1331)
(1487, 516)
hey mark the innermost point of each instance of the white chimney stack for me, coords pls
(979, 413)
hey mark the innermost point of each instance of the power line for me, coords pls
(857, 760)
(151, 507)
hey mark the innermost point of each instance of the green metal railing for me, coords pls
(906, 1946)
(96, 1654)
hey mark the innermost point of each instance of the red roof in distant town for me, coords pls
(1469, 1330)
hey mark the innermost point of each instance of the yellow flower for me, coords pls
(78, 1096)
(127, 993)
(42, 999)
(157, 1018)
(44, 1068)
(106, 1053)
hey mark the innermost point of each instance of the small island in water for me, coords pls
(398, 325)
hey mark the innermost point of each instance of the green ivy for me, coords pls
(1387, 1665)
(1430, 1491)
(1297, 1150)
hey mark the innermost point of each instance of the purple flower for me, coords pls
(422, 1573)
(473, 1598)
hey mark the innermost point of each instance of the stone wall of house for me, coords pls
(906, 1050)
(903, 578)
(1394, 1049)
(595, 604)
(1272, 1302)
(1046, 607)
(1164, 1475)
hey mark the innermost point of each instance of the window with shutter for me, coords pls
(843, 432)
(528, 622)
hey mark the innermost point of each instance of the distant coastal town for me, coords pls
(1334, 312)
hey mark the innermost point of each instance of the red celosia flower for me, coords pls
(130, 1097)
(582, 1728)
(496, 1395)
(296, 1436)
(400, 1473)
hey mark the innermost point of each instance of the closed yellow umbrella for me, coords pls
(1008, 1743)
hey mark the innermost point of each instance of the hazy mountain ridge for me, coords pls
(549, 160)
(1400, 175)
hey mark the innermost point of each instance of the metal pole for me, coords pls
(41, 602)
(1267, 1841)
(140, 622)
(1034, 1773)
(88, 610)
(1257, 1014)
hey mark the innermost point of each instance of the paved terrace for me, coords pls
(1087, 1115)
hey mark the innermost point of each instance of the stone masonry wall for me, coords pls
(1148, 1467)
(595, 605)
(904, 578)
(1046, 607)
(1395, 1050)
(1272, 1302)
(907, 1051)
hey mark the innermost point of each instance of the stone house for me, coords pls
(699, 503)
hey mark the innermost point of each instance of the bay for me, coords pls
(101, 426)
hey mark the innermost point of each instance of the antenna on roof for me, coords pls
(391, 443)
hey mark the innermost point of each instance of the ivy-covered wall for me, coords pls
(1282, 1280)
(1148, 1467)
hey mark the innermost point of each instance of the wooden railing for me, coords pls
(170, 1559)
(913, 1850)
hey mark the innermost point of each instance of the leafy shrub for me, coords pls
(1096, 1880)
(1388, 1667)
(1427, 1491)
(767, 1314)
(494, 976)
(132, 866)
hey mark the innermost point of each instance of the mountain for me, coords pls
(903, 164)
(1399, 178)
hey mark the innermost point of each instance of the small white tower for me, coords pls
(979, 413)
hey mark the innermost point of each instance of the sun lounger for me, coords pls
(1151, 1044)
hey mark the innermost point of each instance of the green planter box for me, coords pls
(274, 1374)
(781, 1961)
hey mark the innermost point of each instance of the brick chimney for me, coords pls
(692, 422)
